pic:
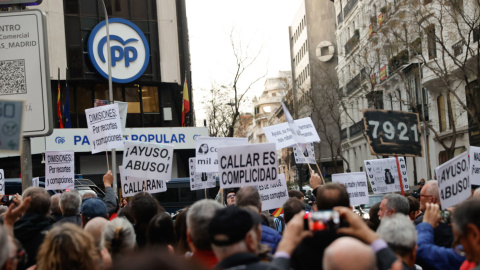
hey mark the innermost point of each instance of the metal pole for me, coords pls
(26, 164)
(400, 176)
(110, 95)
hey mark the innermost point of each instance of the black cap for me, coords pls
(229, 225)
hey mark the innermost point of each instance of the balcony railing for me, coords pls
(416, 47)
(398, 60)
(354, 84)
(343, 134)
(357, 128)
(352, 42)
(457, 48)
(340, 18)
(349, 6)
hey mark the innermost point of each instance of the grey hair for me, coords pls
(398, 203)
(118, 237)
(4, 247)
(399, 232)
(198, 218)
(467, 212)
(54, 204)
(89, 194)
(70, 202)
(431, 187)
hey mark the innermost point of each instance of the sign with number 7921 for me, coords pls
(393, 133)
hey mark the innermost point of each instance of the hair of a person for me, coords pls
(292, 193)
(118, 237)
(55, 204)
(431, 188)
(248, 196)
(40, 203)
(4, 247)
(126, 212)
(67, 246)
(144, 207)
(413, 203)
(292, 207)
(180, 226)
(399, 233)
(398, 203)
(467, 212)
(198, 218)
(331, 195)
(95, 228)
(160, 231)
(70, 202)
(89, 194)
(228, 191)
(152, 259)
(374, 220)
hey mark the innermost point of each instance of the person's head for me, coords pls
(4, 247)
(466, 228)
(292, 207)
(476, 193)
(292, 193)
(92, 208)
(198, 219)
(374, 221)
(232, 231)
(118, 237)
(348, 253)
(151, 259)
(230, 195)
(144, 207)
(70, 203)
(414, 207)
(160, 231)
(89, 194)
(67, 246)
(55, 205)
(248, 196)
(429, 194)
(401, 236)
(95, 228)
(331, 195)
(203, 148)
(181, 232)
(40, 203)
(421, 183)
(393, 203)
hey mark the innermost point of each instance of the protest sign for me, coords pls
(453, 181)
(104, 128)
(133, 185)
(11, 117)
(247, 165)
(356, 184)
(282, 136)
(200, 180)
(2, 182)
(59, 170)
(206, 149)
(383, 175)
(36, 182)
(304, 154)
(147, 160)
(474, 165)
(273, 195)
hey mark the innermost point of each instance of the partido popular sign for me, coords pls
(453, 181)
(247, 165)
(59, 170)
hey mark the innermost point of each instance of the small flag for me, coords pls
(59, 102)
(66, 108)
(186, 102)
(278, 212)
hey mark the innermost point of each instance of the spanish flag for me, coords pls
(186, 102)
(278, 212)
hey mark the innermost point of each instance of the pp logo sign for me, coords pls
(129, 50)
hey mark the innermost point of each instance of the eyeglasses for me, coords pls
(231, 196)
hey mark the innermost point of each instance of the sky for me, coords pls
(262, 25)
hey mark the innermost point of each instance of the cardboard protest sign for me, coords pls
(453, 181)
(147, 160)
(133, 185)
(304, 154)
(2, 182)
(11, 126)
(59, 170)
(273, 195)
(383, 175)
(104, 128)
(206, 149)
(200, 180)
(36, 182)
(474, 165)
(247, 165)
(356, 184)
(282, 136)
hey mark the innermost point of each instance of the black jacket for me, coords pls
(75, 219)
(30, 230)
(442, 234)
(249, 261)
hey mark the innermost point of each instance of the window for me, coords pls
(442, 119)
(399, 94)
(453, 120)
(431, 42)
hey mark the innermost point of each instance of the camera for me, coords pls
(322, 220)
(446, 216)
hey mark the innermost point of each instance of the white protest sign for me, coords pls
(453, 181)
(134, 185)
(247, 165)
(356, 184)
(282, 136)
(122, 108)
(200, 180)
(11, 117)
(2, 182)
(383, 175)
(36, 182)
(147, 160)
(59, 170)
(206, 149)
(273, 195)
(304, 154)
(474, 165)
(104, 128)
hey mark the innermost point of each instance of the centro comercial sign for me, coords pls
(129, 50)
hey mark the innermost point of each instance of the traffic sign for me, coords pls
(11, 114)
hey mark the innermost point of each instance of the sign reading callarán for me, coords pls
(393, 133)
(134, 185)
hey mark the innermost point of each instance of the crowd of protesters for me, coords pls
(70, 231)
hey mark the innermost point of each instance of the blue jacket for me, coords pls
(430, 256)
(270, 237)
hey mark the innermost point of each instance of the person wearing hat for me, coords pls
(92, 208)
(234, 239)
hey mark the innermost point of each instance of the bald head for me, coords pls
(349, 253)
(54, 204)
(95, 228)
(476, 193)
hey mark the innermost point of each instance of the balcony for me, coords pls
(458, 48)
(353, 84)
(357, 128)
(349, 6)
(352, 42)
(398, 60)
(340, 18)
(343, 134)
(416, 47)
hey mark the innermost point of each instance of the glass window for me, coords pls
(101, 92)
(442, 120)
(150, 99)
(84, 101)
(432, 43)
(71, 7)
(120, 8)
(133, 99)
(89, 7)
(139, 10)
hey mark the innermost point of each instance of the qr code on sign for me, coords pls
(12, 73)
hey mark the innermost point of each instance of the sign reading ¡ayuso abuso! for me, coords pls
(129, 50)
(393, 133)
(453, 181)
